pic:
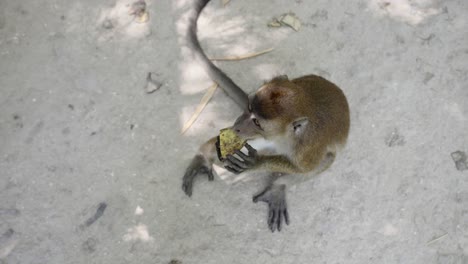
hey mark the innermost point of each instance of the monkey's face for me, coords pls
(265, 114)
(247, 126)
(250, 126)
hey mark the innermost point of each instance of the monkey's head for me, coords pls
(274, 110)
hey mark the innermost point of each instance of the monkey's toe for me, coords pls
(277, 214)
(210, 175)
(260, 197)
(187, 187)
(198, 166)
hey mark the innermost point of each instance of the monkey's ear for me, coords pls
(299, 125)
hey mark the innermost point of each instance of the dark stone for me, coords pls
(459, 157)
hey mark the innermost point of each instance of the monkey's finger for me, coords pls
(260, 197)
(187, 188)
(187, 182)
(250, 148)
(243, 156)
(255, 198)
(232, 169)
(237, 162)
(250, 161)
(210, 175)
(233, 165)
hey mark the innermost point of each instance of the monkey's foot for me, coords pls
(275, 197)
(199, 165)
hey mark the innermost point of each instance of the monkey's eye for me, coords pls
(255, 120)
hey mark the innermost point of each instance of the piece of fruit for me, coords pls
(228, 142)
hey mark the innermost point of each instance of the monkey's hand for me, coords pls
(199, 165)
(246, 162)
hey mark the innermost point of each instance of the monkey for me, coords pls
(293, 129)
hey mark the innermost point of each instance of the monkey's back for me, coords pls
(328, 104)
(327, 109)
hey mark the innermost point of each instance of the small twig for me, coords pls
(204, 101)
(99, 212)
(225, 2)
(242, 57)
(436, 239)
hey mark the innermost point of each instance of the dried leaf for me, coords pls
(292, 21)
(204, 101)
(288, 19)
(242, 57)
(274, 23)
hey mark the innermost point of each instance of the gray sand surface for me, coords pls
(91, 164)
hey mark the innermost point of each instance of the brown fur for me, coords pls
(302, 121)
(282, 101)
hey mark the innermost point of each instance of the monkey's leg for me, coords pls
(275, 196)
(202, 163)
(275, 193)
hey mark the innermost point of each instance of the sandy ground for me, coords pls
(91, 165)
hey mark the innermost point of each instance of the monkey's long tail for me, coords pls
(232, 89)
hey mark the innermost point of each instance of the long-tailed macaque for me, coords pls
(301, 123)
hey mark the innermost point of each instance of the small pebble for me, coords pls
(9, 212)
(395, 139)
(151, 84)
(459, 157)
(107, 24)
(7, 235)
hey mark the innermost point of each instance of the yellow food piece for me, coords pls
(228, 143)
(142, 18)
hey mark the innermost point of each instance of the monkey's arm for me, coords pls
(202, 163)
(277, 163)
(273, 163)
(208, 149)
